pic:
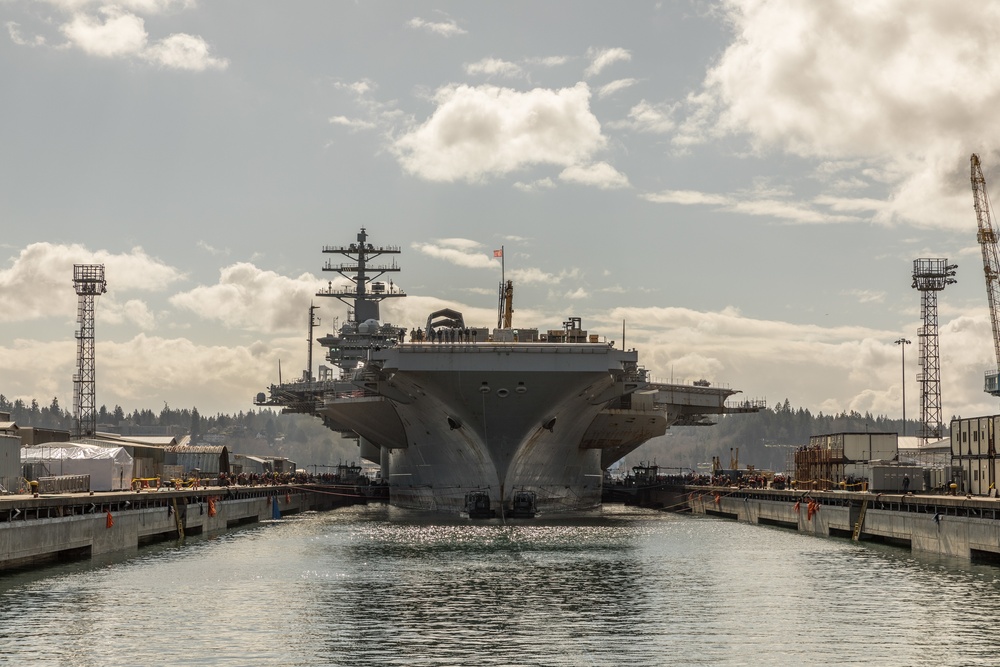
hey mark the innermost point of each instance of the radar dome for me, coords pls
(368, 327)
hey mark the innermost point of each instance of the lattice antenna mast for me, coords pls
(987, 236)
(366, 292)
(930, 276)
(89, 282)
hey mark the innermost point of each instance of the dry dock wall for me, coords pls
(38, 530)
(946, 525)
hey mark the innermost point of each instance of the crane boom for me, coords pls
(987, 237)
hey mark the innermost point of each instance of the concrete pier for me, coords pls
(961, 526)
(35, 530)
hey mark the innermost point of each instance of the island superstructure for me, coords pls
(450, 410)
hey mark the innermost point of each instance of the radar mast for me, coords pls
(366, 291)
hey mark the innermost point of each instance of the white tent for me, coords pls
(110, 468)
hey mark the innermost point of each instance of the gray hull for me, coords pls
(449, 419)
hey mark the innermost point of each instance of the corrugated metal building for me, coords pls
(10, 462)
(210, 460)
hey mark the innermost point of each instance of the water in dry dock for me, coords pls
(376, 586)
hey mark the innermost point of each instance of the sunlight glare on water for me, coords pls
(380, 586)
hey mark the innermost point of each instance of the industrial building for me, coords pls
(973, 454)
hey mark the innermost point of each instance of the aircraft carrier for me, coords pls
(463, 419)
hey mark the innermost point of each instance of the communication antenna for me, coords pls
(930, 276)
(313, 322)
(88, 279)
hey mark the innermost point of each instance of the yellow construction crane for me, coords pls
(987, 237)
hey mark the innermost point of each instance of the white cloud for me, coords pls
(759, 203)
(687, 198)
(602, 58)
(247, 297)
(549, 61)
(444, 28)
(460, 252)
(478, 132)
(212, 250)
(646, 117)
(116, 31)
(910, 86)
(535, 186)
(14, 30)
(182, 51)
(147, 371)
(39, 282)
(120, 34)
(142, 6)
(599, 174)
(359, 88)
(860, 366)
(494, 67)
(609, 89)
(353, 123)
(134, 311)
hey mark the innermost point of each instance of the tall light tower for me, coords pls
(902, 342)
(930, 276)
(89, 282)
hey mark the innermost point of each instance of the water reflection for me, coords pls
(375, 586)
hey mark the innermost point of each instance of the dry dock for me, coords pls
(961, 526)
(36, 530)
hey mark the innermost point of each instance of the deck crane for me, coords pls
(987, 236)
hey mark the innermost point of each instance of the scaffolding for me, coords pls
(819, 466)
(88, 279)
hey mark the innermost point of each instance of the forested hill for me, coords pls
(764, 439)
(264, 432)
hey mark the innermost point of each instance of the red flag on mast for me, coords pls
(498, 253)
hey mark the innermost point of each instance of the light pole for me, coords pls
(902, 343)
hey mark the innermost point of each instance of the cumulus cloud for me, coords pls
(149, 370)
(484, 131)
(602, 58)
(600, 174)
(444, 28)
(908, 86)
(247, 297)
(120, 34)
(116, 31)
(860, 366)
(181, 51)
(494, 67)
(39, 282)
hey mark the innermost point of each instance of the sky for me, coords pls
(741, 186)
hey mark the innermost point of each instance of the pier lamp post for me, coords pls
(902, 343)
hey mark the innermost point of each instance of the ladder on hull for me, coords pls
(861, 520)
